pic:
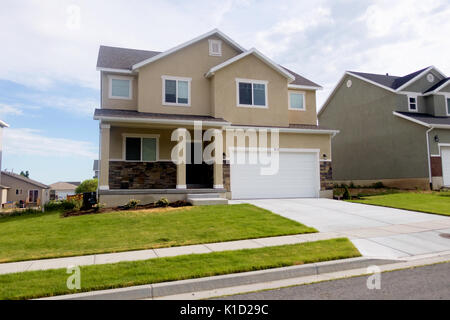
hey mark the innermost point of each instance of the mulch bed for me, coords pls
(176, 204)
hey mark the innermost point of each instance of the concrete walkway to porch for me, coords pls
(105, 258)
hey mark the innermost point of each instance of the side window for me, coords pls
(412, 103)
(297, 101)
(120, 87)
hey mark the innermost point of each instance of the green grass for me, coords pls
(48, 235)
(35, 284)
(436, 202)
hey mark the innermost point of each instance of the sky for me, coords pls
(49, 86)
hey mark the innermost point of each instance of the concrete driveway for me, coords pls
(375, 231)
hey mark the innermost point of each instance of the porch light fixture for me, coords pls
(436, 138)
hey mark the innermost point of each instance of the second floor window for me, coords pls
(176, 91)
(412, 103)
(296, 101)
(120, 88)
(448, 106)
(251, 93)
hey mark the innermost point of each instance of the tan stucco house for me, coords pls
(60, 190)
(25, 190)
(393, 129)
(212, 80)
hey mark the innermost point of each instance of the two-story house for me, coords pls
(212, 80)
(392, 129)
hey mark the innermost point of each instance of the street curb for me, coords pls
(163, 289)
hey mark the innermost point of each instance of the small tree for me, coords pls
(89, 185)
(25, 174)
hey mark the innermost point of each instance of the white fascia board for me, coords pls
(417, 77)
(3, 124)
(243, 55)
(440, 126)
(411, 119)
(324, 106)
(287, 130)
(160, 121)
(125, 71)
(188, 43)
(296, 86)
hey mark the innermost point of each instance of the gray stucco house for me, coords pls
(393, 129)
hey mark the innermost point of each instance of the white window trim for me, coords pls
(211, 43)
(446, 97)
(142, 136)
(252, 81)
(164, 103)
(130, 89)
(304, 100)
(413, 95)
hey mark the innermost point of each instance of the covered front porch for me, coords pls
(136, 161)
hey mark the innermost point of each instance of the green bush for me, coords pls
(89, 185)
(346, 195)
(62, 205)
(132, 204)
(17, 213)
(378, 185)
(163, 202)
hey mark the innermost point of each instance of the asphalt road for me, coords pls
(429, 282)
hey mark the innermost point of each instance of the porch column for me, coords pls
(218, 176)
(181, 176)
(103, 181)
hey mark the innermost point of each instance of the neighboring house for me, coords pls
(3, 189)
(146, 95)
(25, 190)
(95, 169)
(60, 190)
(392, 129)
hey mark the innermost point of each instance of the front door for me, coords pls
(32, 196)
(198, 175)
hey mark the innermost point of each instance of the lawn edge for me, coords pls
(391, 207)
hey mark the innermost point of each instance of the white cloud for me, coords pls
(6, 109)
(32, 142)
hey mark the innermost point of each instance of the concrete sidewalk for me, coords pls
(45, 264)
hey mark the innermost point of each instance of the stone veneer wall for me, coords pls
(326, 175)
(142, 175)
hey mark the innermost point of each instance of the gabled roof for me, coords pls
(257, 54)
(25, 179)
(302, 82)
(438, 86)
(63, 185)
(216, 32)
(391, 83)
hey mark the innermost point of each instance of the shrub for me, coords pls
(89, 185)
(378, 185)
(352, 185)
(163, 202)
(346, 195)
(16, 213)
(62, 205)
(132, 204)
(98, 206)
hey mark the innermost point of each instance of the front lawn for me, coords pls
(124, 274)
(48, 235)
(436, 202)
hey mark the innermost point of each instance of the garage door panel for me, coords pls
(445, 156)
(297, 177)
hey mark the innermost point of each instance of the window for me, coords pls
(120, 87)
(448, 106)
(412, 103)
(297, 101)
(141, 148)
(176, 91)
(215, 48)
(251, 93)
(17, 191)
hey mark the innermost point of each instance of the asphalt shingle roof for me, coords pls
(123, 58)
(25, 179)
(428, 119)
(437, 85)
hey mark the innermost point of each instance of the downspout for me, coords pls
(428, 157)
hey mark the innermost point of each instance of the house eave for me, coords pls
(161, 121)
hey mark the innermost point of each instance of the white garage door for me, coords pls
(445, 156)
(298, 176)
